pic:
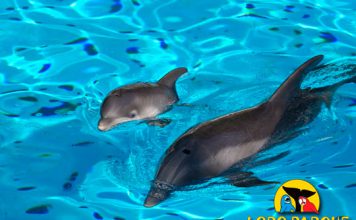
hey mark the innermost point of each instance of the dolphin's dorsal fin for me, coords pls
(171, 77)
(291, 86)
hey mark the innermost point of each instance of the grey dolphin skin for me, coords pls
(212, 148)
(139, 101)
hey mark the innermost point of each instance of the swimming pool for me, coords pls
(60, 58)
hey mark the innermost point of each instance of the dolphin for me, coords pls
(139, 101)
(212, 148)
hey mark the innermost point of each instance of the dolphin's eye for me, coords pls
(133, 114)
(287, 200)
(186, 151)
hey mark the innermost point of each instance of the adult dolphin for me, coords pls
(212, 148)
(140, 101)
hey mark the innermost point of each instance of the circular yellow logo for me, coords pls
(296, 196)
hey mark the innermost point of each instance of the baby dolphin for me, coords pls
(213, 148)
(139, 101)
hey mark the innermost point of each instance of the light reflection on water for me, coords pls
(60, 58)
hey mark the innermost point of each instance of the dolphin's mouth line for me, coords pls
(113, 126)
(159, 192)
(163, 185)
(106, 129)
(160, 189)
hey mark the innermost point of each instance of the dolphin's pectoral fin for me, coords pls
(252, 181)
(269, 159)
(238, 175)
(161, 122)
(283, 138)
(246, 179)
(184, 105)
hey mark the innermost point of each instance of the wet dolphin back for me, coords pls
(171, 77)
(291, 87)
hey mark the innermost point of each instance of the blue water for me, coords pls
(59, 58)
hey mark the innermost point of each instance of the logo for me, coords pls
(297, 196)
(297, 200)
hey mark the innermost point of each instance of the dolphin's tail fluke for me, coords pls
(171, 77)
(334, 87)
(351, 80)
(291, 87)
(295, 193)
(327, 92)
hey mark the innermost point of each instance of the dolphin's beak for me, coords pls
(151, 201)
(104, 125)
(156, 196)
(102, 128)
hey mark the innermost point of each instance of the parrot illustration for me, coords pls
(286, 204)
(296, 193)
(307, 206)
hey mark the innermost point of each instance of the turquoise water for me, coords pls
(59, 59)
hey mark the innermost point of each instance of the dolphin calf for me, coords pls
(212, 148)
(139, 101)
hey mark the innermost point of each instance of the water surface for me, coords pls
(59, 58)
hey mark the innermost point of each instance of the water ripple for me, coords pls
(59, 59)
